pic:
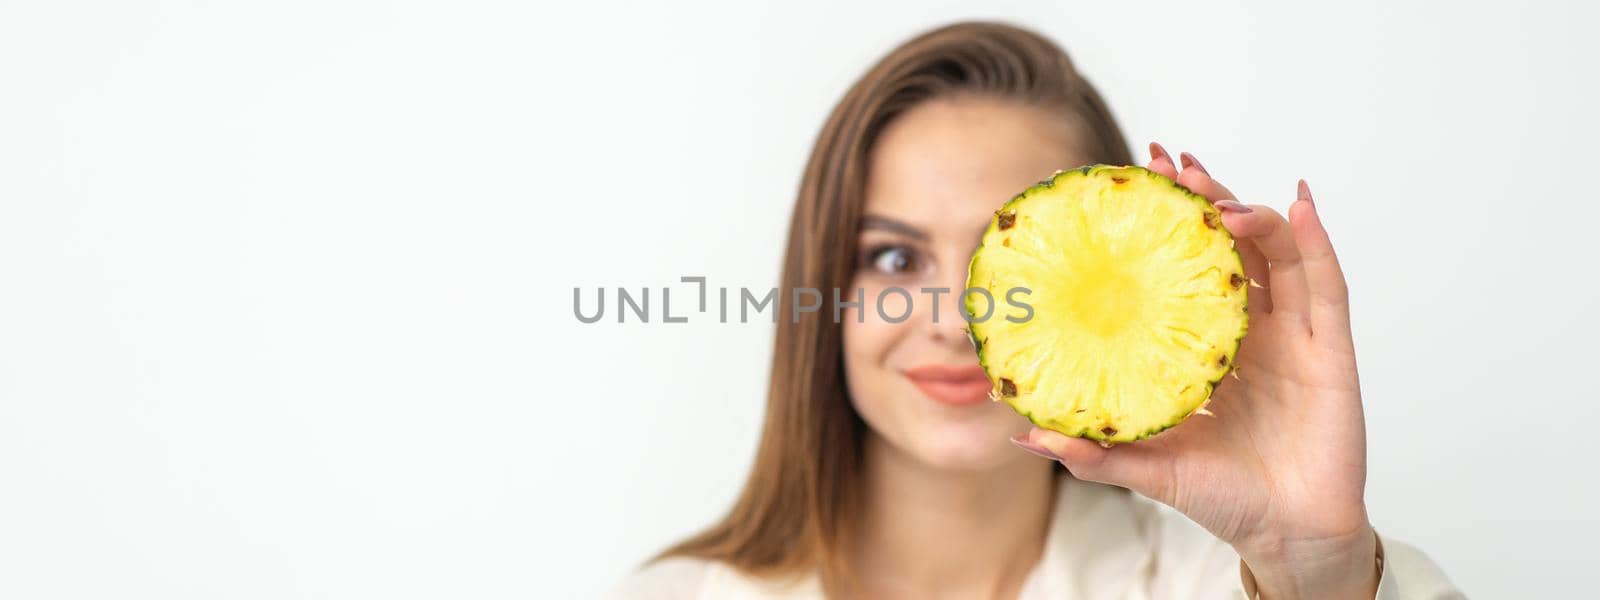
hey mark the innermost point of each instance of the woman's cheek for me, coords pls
(867, 336)
(870, 341)
(882, 302)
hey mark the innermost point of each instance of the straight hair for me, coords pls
(802, 495)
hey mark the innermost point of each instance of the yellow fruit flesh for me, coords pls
(1138, 296)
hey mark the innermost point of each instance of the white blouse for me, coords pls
(1104, 543)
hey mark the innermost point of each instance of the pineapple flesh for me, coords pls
(1138, 303)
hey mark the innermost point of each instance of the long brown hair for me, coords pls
(800, 500)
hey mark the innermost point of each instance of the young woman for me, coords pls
(877, 478)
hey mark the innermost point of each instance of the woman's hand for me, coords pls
(1279, 472)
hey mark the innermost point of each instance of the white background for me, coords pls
(286, 289)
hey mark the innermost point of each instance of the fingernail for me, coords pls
(1232, 206)
(1157, 152)
(1305, 191)
(1190, 162)
(1021, 442)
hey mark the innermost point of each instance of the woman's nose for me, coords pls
(947, 320)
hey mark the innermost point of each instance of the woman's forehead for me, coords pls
(951, 162)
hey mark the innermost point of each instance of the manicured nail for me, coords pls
(1158, 153)
(1305, 191)
(1190, 162)
(1022, 442)
(1232, 206)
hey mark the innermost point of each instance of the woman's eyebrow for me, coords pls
(888, 224)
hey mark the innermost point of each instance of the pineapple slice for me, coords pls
(1138, 301)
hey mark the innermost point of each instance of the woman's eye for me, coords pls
(893, 260)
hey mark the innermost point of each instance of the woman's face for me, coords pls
(936, 175)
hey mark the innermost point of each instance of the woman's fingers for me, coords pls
(1161, 162)
(1329, 297)
(1137, 467)
(1286, 275)
(1198, 180)
(1305, 284)
(1259, 301)
(1264, 240)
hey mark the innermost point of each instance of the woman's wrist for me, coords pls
(1348, 567)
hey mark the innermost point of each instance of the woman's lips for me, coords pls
(951, 384)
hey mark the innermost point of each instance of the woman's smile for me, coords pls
(950, 384)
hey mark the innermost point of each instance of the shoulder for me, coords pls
(676, 578)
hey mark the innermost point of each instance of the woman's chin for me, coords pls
(978, 444)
